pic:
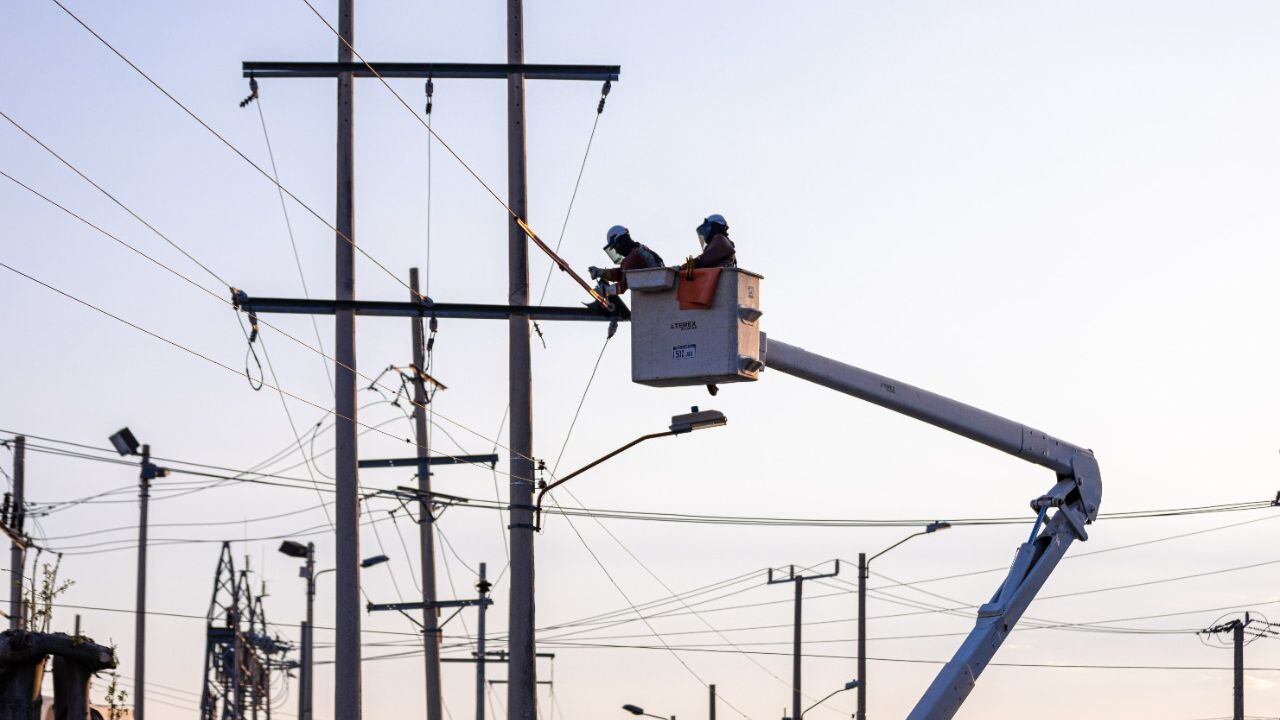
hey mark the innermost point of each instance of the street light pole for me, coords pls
(126, 444)
(306, 663)
(864, 571)
(308, 637)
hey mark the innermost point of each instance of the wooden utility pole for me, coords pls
(347, 610)
(522, 687)
(426, 525)
(18, 550)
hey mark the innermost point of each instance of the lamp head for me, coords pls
(293, 549)
(633, 709)
(375, 560)
(696, 420)
(936, 526)
(124, 442)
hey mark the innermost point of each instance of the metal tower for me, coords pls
(239, 651)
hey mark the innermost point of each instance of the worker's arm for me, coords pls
(715, 253)
(1074, 500)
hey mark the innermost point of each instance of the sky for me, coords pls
(1060, 212)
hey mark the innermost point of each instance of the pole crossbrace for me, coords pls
(431, 70)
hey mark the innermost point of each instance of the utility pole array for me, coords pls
(522, 695)
(797, 653)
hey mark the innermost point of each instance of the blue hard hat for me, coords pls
(614, 233)
(717, 219)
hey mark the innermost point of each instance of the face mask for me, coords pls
(614, 255)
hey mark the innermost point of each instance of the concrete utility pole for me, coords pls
(140, 595)
(426, 526)
(1237, 642)
(712, 689)
(797, 653)
(862, 637)
(482, 587)
(307, 675)
(347, 611)
(522, 687)
(18, 550)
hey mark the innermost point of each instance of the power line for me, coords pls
(224, 141)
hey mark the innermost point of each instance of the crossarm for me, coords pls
(1074, 500)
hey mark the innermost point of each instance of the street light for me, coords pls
(864, 563)
(847, 686)
(126, 444)
(634, 710)
(680, 424)
(308, 572)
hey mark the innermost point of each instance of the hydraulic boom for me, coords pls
(1074, 500)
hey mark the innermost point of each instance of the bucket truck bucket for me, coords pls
(671, 347)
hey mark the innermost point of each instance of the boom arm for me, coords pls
(1075, 498)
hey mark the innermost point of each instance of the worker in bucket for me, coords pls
(717, 248)
(627, 254)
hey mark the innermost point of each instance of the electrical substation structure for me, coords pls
(240, 651)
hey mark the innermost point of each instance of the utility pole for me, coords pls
(1237, 641)
(712, 689)
(482, 588)
(522, 687)
(140, 595)
(426, 526)
(522, 696)
(307, 673)
(18, 550)
(797, 653)
(862, 637)
(347, 685)
(1251, 627)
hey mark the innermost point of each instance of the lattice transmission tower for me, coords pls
(240, 652)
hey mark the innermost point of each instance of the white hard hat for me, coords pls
(615, 232)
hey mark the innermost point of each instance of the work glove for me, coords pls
(689, 265)
(595, 272)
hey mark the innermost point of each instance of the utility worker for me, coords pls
(717, 248)
(627, 254)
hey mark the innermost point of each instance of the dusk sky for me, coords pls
(1064, 213)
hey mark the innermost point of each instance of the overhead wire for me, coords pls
(653, 631)
(226, 142)
(522, 223)
(288, 224)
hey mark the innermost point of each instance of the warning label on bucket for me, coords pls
(682, 352)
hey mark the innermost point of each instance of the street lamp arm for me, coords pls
(913, 535)
(833, 693)
(584, 468)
